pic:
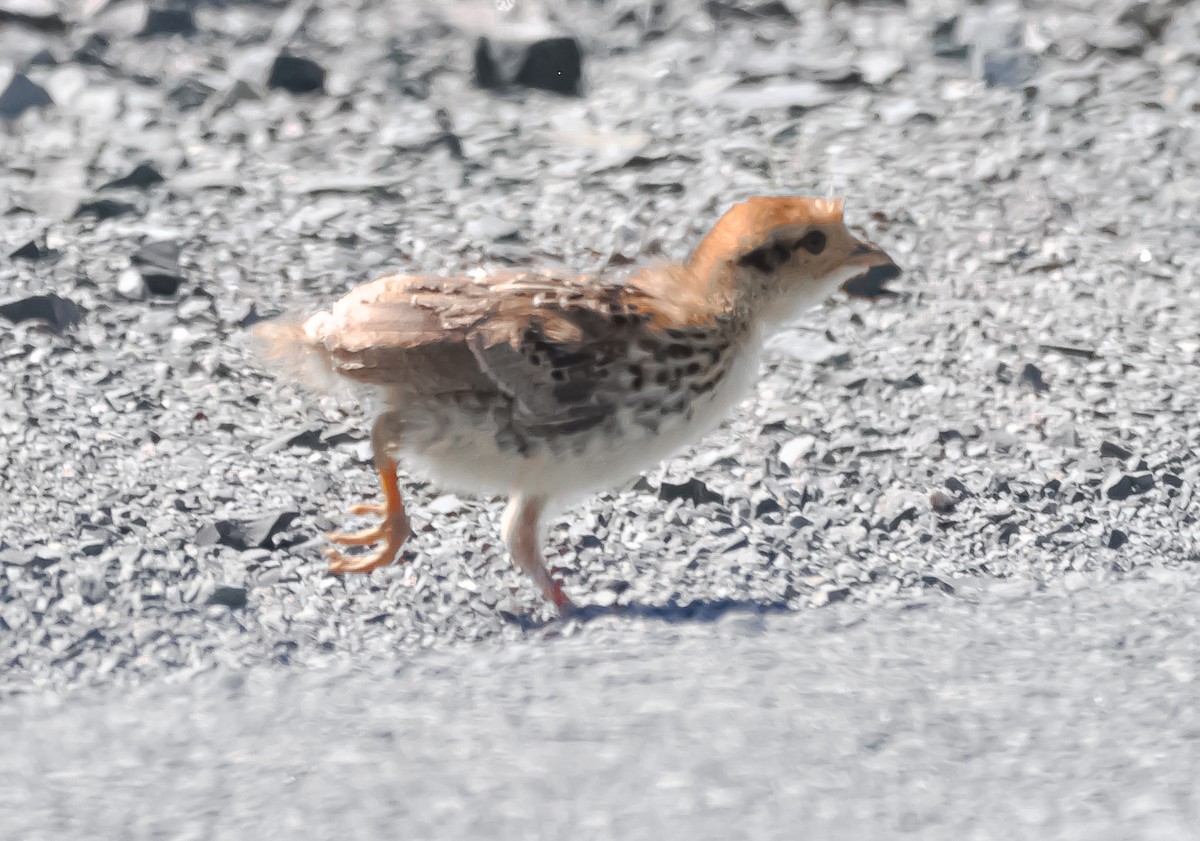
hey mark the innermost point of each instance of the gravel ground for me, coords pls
(1010, 714)
(1010, 447)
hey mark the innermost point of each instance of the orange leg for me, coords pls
(392, 530)
(522, 533)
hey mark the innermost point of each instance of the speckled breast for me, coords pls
(564, 400)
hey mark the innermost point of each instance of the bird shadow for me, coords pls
(698, 611)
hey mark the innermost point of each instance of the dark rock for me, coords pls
(296, 74)
(1031, 375)
(642, 485)
(92, 50)
(231, 597)
(88, 641)
(162, 283)
(693, 489)
(1068, 350)
(913, 380)
(140, 177)
(1150, 17)
(1117, 539)
(250, 317)
(93, 541)
(1111, 449)
(942, 502)
(246, 534)
(723, 10)
(955, 485)
(33, 250)
(93, 590)
(58, 312)
(190, 94)
(158, 264)
(945, 42)
(767, 505)
(44, 58)
(36, 558)
(906, 515)
(1123, 485)
(104, 208)
(552, 64)
(937, 583)
(309, 438)
(178, 21)
(21, 94)
(1172, 480)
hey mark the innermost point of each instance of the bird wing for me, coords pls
(552, 348)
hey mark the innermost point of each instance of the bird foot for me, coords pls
(391, 532)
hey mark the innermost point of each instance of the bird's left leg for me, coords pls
(522, 532)
(394, 529)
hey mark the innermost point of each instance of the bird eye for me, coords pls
(813, 242)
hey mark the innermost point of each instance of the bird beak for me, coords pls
(873, 269)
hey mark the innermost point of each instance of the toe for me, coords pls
(341, 563)
(357, 538)
(361, 508)
(393, 534)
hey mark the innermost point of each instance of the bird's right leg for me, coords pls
(523, 534)
(394, 528)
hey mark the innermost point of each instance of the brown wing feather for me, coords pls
(369, 334)
(545, 350)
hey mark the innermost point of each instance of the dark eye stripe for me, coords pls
(767, 258)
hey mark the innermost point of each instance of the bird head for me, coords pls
(781, 255)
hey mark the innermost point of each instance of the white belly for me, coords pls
(468, 459)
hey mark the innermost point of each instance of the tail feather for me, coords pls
(284, 346)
